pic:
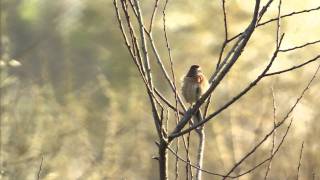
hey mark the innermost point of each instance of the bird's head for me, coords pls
(194, 70)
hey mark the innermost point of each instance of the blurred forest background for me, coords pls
(71, 94)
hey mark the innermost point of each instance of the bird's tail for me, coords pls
(197, 116)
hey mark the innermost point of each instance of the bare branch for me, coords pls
(169, 104)
(192, 165)
(278, 124)
(185, 142)
(300, 158)
(144, 44)
(281, 17)
(40, 168)
(155, 7)
(256, 166)
(135, 45)
(177, 161)
(246, 36)
(272, 155)
(148, 68)
(278, 25)
(163, 69)
(224, 62)
(273, 135)
(301, 46)
(293, 67)
(224, 44)
(187, 156)
(206, 108)
(264, 10)
(139, 65)
(225, 19)
(234, 99)
(252, 84)
(139, 54)
(288, 15)
(122, 28)
(170, 59)
(226, 41)
(155, 51)
(134, 55)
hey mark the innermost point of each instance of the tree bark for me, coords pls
(163, 160)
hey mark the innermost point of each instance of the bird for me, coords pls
(194, 84)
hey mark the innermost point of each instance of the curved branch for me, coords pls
(301, 46)
(278, 124)
(234, 99)
(293, 67)
(246, 36)
(288, 15)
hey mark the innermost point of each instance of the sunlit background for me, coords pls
(71, 94)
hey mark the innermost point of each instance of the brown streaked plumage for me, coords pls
(194, 84)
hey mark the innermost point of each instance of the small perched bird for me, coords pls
(195, 84)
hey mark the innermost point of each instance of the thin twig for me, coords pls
(278, 44)
(224, 44)
(253, 168)
(234, 99)
(293, 67)
(177, 161)
(264, 10)
(167, 102)
(172, 73)
(135, 44)
(300, 46)
(226, 41)
(282, 17)
(300, 158)
(273, 135)
(144, 44)
(272, 155)
(192, 165)
(135, 47)
(206, 108)
(147, 67)
(261, 13)
(171, 62)
(136, 56)
(40, 168)
(278, 26)
(186, 143)
(174, 84)
(163, 69)
(246, 36)
(278, 124)
(122, 28)
(224, 62)
(155, 7)
(288, 15)
(187, 156)
(155, 51)
(225, 19)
